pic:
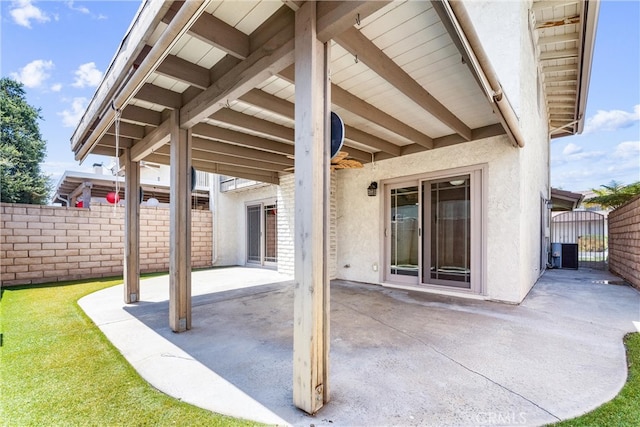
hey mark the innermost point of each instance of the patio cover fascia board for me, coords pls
(103, 184)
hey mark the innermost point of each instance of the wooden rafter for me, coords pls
(239, 138)
(184, 71)
(358, 45)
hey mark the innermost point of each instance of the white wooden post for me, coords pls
(131, 230)
(180, 228)
(311, 294)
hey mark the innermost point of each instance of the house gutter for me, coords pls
(485, 72)
(188, 13)
(591, 10)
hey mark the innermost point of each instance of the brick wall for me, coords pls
(40, 244)
(286, 213)
(624, 242)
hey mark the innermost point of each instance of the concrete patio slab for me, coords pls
(397, 357)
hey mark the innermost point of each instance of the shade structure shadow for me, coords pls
(408, 358)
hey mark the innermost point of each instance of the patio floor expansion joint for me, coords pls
(462, 365)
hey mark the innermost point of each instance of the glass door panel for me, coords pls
(404, 257)
(271, 234)
(253, 234)
(447, 243)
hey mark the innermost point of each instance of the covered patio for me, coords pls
(400, 357)
(246, 89)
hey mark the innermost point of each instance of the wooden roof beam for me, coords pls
(358, 45)
(217, 147)
(160, 96)
(285, 108)
(357, 106)
(215, 157)
(268, 59)
(184, 71)
(216, 33)
(346, 100)
(240, 138)
(135, 114)
(222, 169)
(154, 140)
(127, 130)
(234, 118)
(444, 141)
(272, 47)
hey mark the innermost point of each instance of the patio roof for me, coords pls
(72, 183)
(227, 69)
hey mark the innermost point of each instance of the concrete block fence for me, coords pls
(624, 242)
(40, 244)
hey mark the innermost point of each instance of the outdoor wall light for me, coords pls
(372, 188)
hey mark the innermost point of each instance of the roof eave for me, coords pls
(143, 24)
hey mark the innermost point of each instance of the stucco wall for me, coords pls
(624, 242)
(499, 28)
(360, 216)
(503, 28)
(534, 157)
(231, 228)
(41, 244)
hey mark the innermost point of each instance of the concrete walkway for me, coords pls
(397, 357)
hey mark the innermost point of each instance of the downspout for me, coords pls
(480, 62)
(59, 197)
(188, 13)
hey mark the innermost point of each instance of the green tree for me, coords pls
(21, 148)
(614, 195)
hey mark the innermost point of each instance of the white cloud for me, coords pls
(23, 12)
(627, 150)
(612, 120)
(71, 117)
(56, 87)
(87, 75)
(82, 9)
(571, 148)
(34, 73)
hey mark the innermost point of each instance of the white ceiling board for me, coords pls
(389, 8)
(147, 105)
(397, 17)
(260, 13)
(192, 50)
(232, 12)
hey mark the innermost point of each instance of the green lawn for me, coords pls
(56, 367)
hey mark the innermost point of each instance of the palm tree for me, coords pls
(614, 195)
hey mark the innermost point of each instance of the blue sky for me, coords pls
(60, 49)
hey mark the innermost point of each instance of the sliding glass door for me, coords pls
(447, 248)
(262, 234)
(433, 232)
(404, 229)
